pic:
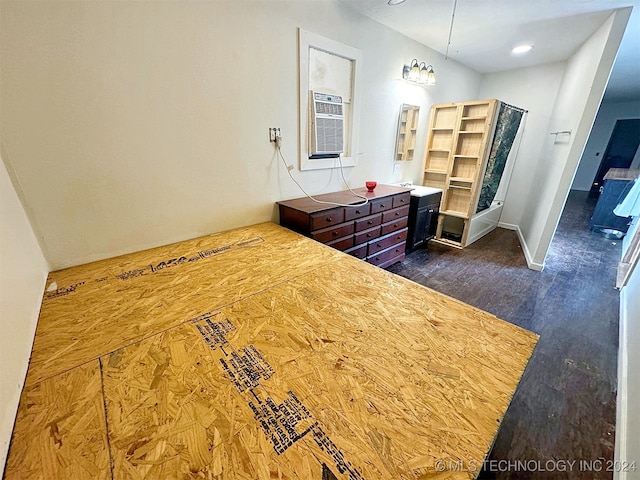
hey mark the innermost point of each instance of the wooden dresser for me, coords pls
(375, 232)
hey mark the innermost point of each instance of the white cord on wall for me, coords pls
(289, 168)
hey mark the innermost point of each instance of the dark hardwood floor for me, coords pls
(564, 409)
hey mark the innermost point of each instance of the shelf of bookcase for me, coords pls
(461, 179)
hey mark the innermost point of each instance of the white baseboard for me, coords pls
(525, 249)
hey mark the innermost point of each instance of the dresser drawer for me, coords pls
(327, 218)
(381, 204)
(354, 229)
(395, 214)
(351, 213)
(359, 251)
(367, 235)
(368, 222)
(387, 241)
(385, 257)
(401, 200)
(327, 235)
(393, 226)
(342, 243)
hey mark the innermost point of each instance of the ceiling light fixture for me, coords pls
(395, 2)
(520, 49)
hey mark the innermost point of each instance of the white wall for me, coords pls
(23, 272)
(135, 124)
(575, 109)
(534, 89)
(559, 96)
(628, 421)
(602, 129)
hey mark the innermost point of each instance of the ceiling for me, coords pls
(485, 31)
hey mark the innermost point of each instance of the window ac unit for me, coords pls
(327, 124)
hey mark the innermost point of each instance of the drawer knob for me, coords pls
(397, 214)
(329, 219)
(402, 200)
(395, 225)
(335, 234)
(368, 235)
(369, 222)
(382, 205)
(357, 211)
(378, 245)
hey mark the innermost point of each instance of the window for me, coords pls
(330, 67)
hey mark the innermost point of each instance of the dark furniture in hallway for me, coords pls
(617, 183)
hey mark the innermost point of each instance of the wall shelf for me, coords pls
(407, 131)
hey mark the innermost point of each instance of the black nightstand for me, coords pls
(423, 216)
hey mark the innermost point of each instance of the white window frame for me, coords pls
(306, 41)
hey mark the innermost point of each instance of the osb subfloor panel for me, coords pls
(99, 307)
(268, 359)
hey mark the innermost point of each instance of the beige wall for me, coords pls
(23, 272)
(135, 124)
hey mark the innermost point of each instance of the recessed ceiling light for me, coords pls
(395, 2)
(520, 49)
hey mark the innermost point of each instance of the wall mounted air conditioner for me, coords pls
(327, 124)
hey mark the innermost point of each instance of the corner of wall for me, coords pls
(525, 248)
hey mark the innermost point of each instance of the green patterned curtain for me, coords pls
(509, 119)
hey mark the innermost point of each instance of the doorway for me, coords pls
(620, 151)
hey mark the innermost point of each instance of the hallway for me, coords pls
(565, 406)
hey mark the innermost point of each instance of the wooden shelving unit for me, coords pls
(407, 130)
(455, 159)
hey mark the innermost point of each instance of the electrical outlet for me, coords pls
(274, 134)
